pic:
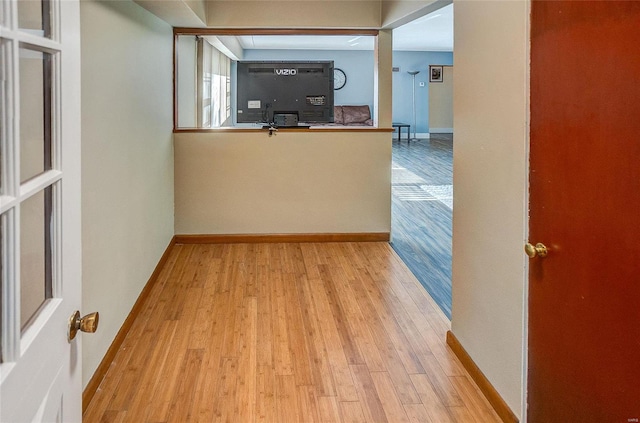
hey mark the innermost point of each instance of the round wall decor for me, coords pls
(339, 78)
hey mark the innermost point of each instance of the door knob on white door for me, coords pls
(88, 323)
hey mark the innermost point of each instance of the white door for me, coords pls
(40, 370)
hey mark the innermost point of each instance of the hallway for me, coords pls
(422, 212)
(331, 332)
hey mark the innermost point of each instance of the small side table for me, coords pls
(401, 125)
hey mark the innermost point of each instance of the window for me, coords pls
(214, 86)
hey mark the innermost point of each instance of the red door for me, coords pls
(584, 297)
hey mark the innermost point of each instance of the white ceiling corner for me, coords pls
(432, 32)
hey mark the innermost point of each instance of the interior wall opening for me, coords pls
(214, 69)
(422, 158)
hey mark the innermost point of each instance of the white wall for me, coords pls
(127, 161)
(490, 188)
(293, 182)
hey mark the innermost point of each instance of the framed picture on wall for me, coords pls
(435, 73)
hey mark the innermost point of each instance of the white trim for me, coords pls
(31, 41)
(7, 202)
(34, 326)
(13, 144)
(6, 118)
(10, 298)
(40, 182)
(525, 291)
(56, 110)
(441, 130)
(56, 241)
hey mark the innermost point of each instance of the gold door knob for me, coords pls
(88, 323)
(535, 250)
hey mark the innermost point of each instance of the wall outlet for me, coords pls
(422, 84)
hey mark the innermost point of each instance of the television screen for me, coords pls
(285, 88)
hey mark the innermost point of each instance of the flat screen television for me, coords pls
(268, 89)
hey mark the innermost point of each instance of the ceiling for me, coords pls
(432, 32)
(306, 42)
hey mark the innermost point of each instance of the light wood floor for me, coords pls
(335, 332)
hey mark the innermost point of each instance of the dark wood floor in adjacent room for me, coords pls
(422, 212)
(331, 332)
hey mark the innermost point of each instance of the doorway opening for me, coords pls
(422, 163)
(422, 212)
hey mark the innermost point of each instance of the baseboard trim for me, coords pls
(101, 371)
(494, 398)
(272, 238)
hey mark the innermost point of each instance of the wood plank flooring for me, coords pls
(331, 332)
(422, 204)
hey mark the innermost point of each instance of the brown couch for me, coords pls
(352, 115)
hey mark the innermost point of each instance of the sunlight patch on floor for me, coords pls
(402, 176)
(412, 193)
(444, 193)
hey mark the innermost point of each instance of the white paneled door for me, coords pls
(40, 369)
